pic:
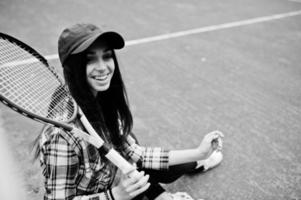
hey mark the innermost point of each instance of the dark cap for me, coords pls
(79, 37)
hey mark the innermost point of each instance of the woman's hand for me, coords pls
(211, 141)
(131, 185)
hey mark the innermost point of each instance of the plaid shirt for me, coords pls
(74, 169)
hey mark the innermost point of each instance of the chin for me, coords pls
(102, 88)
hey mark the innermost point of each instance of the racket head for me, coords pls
(30, 85)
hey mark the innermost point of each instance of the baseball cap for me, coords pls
(79, 37)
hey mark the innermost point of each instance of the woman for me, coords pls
(74, 169)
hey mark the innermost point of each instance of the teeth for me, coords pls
(101, 78)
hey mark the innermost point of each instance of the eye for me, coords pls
(91, 59)
(107, 56)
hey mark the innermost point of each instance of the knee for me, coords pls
(164, 178)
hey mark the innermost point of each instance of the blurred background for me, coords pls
(243, 80)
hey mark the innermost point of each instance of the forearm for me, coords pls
(177, 157)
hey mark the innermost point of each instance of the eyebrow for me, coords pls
(90, 54)
(93, 52)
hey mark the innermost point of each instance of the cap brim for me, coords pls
(113, 39)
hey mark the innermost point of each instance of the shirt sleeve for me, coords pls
(61, 165)
(61, 168)
(145, 157)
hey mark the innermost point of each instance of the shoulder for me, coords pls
(56, 137)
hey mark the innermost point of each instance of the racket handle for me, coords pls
(107, 151)
(120, 162)
(89, 138)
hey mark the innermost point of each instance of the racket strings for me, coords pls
(27, 82)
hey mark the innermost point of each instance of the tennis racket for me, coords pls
(31, 87)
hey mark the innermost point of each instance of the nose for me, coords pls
(101, 65)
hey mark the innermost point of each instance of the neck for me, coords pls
(94, 93)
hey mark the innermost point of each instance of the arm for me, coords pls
(158, 158)
(61, 165)
(177, 157)
(210, 142)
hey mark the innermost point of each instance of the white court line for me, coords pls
(297, 1)
(204, 29)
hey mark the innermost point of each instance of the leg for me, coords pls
(160, 176)
(172, 174)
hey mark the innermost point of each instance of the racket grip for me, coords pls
(106, 150)
(120, 162)
(112, 155)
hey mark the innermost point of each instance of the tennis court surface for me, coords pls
(190, 67)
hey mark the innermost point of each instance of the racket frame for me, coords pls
(92, 138)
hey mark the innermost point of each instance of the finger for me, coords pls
(216, 134)
(219, 144)
(213, 133)
(141, 183)
(212, 137)
(134, 172)
(214, 144)
(133, 178)
(219, 133)
(140, 190)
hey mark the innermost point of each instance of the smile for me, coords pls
(101, 77)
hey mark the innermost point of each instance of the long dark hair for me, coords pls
(109, 112)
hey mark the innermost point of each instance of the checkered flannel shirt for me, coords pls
(74, 169)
